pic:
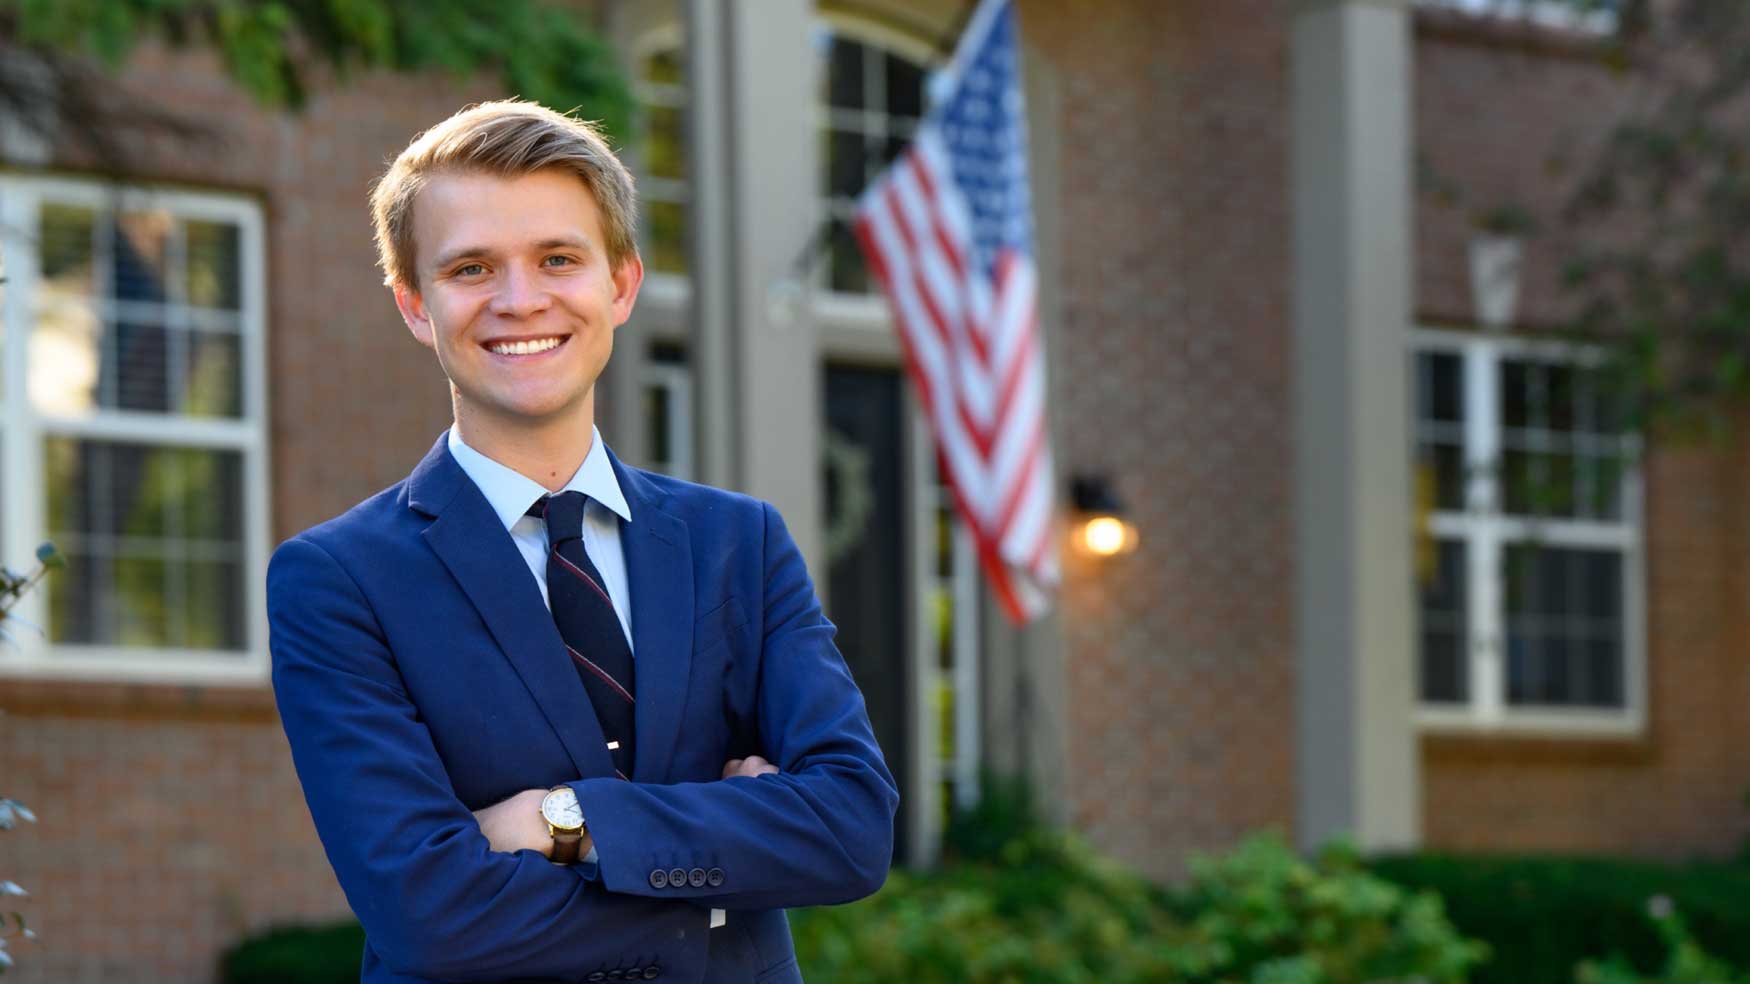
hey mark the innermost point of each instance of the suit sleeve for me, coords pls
(434, 900)
(820, 832)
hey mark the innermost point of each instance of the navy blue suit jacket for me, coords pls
(419, 677)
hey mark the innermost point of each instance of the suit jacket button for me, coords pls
(696, 878)
(659, 878)
(634, 973)
(677, 877)
(652, 973)
(597, 977)
(714, 877)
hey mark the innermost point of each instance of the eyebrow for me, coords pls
(459, 254)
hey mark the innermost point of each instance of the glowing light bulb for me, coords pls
(1104, 535)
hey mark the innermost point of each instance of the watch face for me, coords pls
(561, 809)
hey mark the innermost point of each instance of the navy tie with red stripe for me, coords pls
(585, 616)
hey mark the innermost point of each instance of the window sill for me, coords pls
(1528, 36)
(46, 697)
(1543, 737)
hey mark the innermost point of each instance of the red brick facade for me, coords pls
(1173, 374)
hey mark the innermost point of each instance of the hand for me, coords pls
(517, 825)
(753, 765)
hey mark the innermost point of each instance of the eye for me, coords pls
(558, 260)
(470, 270)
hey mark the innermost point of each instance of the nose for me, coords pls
(520, 293)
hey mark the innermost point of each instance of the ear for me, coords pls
(628, 277)
(413, 312)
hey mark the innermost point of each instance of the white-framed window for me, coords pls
(133, 429)
(668, 412)
(953, 677)
(1530, 555)
(659, 85)
(870, 99)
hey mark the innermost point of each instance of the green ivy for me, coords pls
(542, 52)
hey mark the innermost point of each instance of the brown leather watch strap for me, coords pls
(565, 847)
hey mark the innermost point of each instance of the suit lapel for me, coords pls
(659, 569)
(471, 541)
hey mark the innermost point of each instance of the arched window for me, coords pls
(870, 100)
(659, 83)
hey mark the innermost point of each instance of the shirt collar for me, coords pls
(510, 493)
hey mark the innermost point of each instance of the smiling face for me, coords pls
(517, 297)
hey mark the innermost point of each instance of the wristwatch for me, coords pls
(565, 822)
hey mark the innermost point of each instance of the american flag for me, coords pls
(948, 231)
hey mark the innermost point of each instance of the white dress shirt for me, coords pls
(510, 494)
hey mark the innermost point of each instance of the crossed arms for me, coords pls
(436, 900)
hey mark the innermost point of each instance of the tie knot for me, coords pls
(563, 514)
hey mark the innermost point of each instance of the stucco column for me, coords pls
(756, 192)
(1358, 761)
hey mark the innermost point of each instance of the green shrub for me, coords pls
(1686, 962)
(1542, 916)
(1264, 914)
(297, 955)
(1050, 910)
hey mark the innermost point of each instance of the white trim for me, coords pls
(923, 801)
(901, 43)
(1487, 533)
(24, 428)
(967, 696)
(1533, 721)
(676, 380)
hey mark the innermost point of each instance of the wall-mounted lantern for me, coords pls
(1101, 528)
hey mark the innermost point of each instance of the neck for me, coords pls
(547, 452)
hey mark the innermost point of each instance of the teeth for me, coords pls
(524, 348)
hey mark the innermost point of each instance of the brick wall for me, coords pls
(1173, 375)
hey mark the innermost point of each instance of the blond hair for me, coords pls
(508, 138)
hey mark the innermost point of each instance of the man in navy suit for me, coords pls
(447, 721)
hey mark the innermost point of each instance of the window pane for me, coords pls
(141, 366)
(214, 265)
(664, 140)
(1558, 396)
(142, 617)
(657, 426)
(905, 88)
(845, 75)
(1445, 637)
(65, 249)
(1440, 376)
(667, 246)
(846, 256)
(210, 493)
(664, 67)
(212, 381)
(1561, 457)
(140, 256)
(844, 163)
(213, 619)
(66, 345)
(1448, 464)
(153, 537)
(1564, 628)
(1515, 408)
